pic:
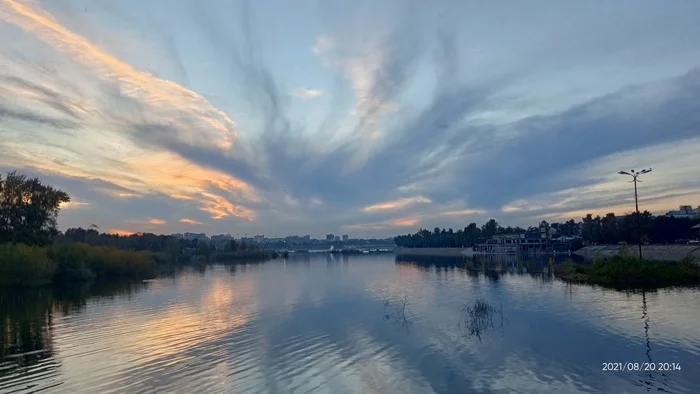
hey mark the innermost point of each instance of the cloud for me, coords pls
(74, 204)
(122, 233)
(129, 145)
(189, 221)
(220, 208)
(166, 97)
(463, 212)
(306, 94)
(116, 192)
(419, 100)
(397, 204)
(410, 221)
(156, 221)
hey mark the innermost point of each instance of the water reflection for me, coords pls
(27, 327)
(316, 324)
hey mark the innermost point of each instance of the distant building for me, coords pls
(330, 237)
(259, 238)
(685, 211)
(345, 238)
(177, 236)
(337, 238)
(220, 241)
(307, 238)
(197, 236)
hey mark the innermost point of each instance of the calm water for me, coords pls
(358, 324)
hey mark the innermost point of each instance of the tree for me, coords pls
(28, 210)
(232, 246)
(609, 229)
(490, 228)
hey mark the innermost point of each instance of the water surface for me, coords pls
(347, 324)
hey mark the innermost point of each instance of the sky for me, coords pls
(364, 118)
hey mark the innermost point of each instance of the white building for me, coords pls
(685, 211)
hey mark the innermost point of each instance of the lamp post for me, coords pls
(635, 174)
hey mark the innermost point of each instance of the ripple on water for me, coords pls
(320, 327)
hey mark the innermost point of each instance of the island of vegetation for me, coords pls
(625, 272)
(34, 253)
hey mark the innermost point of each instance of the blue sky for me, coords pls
(367, 118)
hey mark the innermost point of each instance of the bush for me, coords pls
(63, 262)
(71, 261)
(22, 265)
(625, 272)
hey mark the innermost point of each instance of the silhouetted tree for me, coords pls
(28, 209)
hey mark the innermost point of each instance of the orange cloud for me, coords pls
(189, 221)
(181, 197)
(113, 156)
(397, 204)
(156, 221)
(123, 233)
(163, 95)
(398, 222)
(219, 208)
(116, 193)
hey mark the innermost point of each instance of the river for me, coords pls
(348, 324)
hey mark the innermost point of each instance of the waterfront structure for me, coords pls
(685, 211)
(534, 241)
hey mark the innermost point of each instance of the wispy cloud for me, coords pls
(419, 120)
(306, 94)
(189, 221)
(397, 204)
(74, 204)
(463, 212)
(117, 193)
(386, 224)
(156, 221)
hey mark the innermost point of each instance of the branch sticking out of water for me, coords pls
(479, 318)
(396, 311)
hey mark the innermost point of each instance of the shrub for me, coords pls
(22, 265)
(626, 272)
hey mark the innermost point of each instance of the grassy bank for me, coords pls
(624, 272)
(22, 265)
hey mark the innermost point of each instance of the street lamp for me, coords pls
(635, 174)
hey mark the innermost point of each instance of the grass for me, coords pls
(22, 265)
(626, 272)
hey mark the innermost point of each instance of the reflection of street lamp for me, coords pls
(634, 175)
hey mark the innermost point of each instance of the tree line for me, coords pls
(174, 247)
(33, 252)
(609, 229)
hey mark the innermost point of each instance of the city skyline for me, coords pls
(367, 119)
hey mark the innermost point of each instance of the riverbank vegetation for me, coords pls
(25, 265)
(609, 229)
(627, 272)
(33, 252)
